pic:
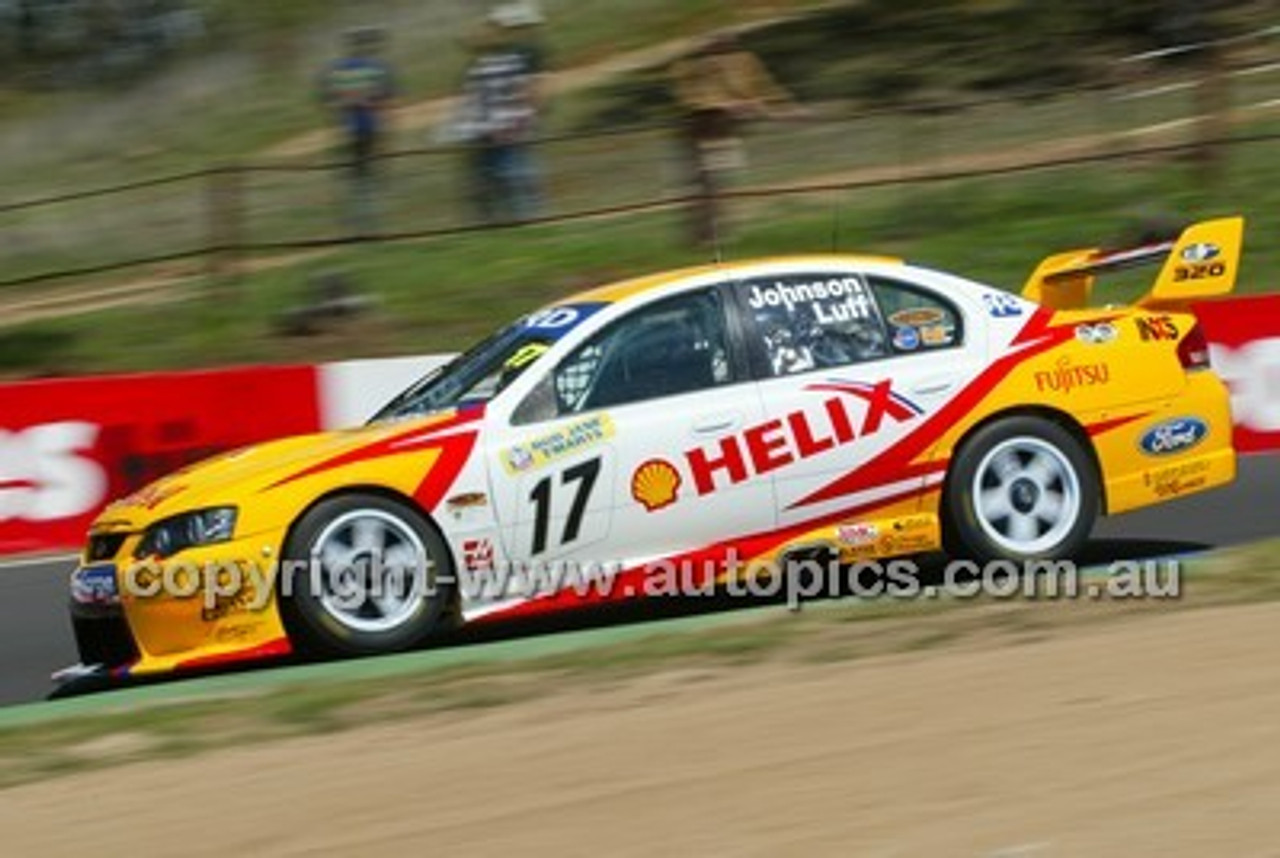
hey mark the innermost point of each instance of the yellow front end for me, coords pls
(211, 604)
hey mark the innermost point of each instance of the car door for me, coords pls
(595, 467)
(852, 366)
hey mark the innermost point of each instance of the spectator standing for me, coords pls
(360, 89)
(500, 106)
(717, 89)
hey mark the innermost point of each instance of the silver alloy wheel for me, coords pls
(1026, 495)
(370, 570)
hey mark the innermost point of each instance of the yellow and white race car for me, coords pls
(716, 419)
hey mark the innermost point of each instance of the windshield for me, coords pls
(484, 371)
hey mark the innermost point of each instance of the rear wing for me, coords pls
(1200, 263)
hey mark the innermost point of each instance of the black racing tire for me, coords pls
(338, 600)
(1022, 488)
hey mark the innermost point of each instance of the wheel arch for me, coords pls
(451, 608)
(375, 490)
(1044, 412)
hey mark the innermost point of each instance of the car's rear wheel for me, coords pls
(369, 575)
(1022, 488)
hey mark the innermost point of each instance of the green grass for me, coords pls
(266, 58)
(428, 191)
(441, 295)
(162, 126)
(824, 633)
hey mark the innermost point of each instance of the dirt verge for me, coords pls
(1152, 736)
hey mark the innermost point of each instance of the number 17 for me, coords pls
(584, 474)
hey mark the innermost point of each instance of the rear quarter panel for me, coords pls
(1115, 375)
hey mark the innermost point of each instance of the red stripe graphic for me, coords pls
(1105, 426)
(455, 450)
(706, 562)
(271, 649)
(418, 438)
(896, 462)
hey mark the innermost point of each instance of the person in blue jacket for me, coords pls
(360, 89)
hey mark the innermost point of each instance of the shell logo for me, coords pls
(656, 484)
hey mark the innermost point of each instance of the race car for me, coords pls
(722, 418)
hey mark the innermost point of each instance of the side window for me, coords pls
(918, 319)
(811, 321)
(678, 345)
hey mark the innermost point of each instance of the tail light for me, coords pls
(1193, 351)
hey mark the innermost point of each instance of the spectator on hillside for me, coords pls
(717, 89)
(360, 89)
(498, 115)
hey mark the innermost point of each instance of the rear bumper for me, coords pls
(1135, 477)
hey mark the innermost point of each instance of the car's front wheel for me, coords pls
(367, 575)
(1022, 488)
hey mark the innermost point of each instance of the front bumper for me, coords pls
(124, 629)
(103, 637)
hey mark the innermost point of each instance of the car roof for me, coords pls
(636, 286)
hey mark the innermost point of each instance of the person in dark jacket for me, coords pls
(359, 89)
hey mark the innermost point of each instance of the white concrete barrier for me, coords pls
(352, 391)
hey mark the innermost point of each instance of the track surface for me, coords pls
(35, 636)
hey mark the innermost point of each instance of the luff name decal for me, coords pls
(832, 301)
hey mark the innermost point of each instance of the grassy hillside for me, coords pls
(250, 83)
(442, 295)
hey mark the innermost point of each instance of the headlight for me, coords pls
(202, 527)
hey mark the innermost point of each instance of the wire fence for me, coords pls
(216, 215)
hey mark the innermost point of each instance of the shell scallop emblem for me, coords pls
(656, 484)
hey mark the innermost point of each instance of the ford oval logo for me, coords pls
(95, 585)
(1174, 436)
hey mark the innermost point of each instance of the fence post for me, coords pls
(225, 222)
(702, 209)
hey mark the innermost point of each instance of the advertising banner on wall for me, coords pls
(68, 446)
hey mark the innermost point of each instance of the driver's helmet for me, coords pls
(788, 353)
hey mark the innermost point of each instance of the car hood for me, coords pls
(229, 477)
